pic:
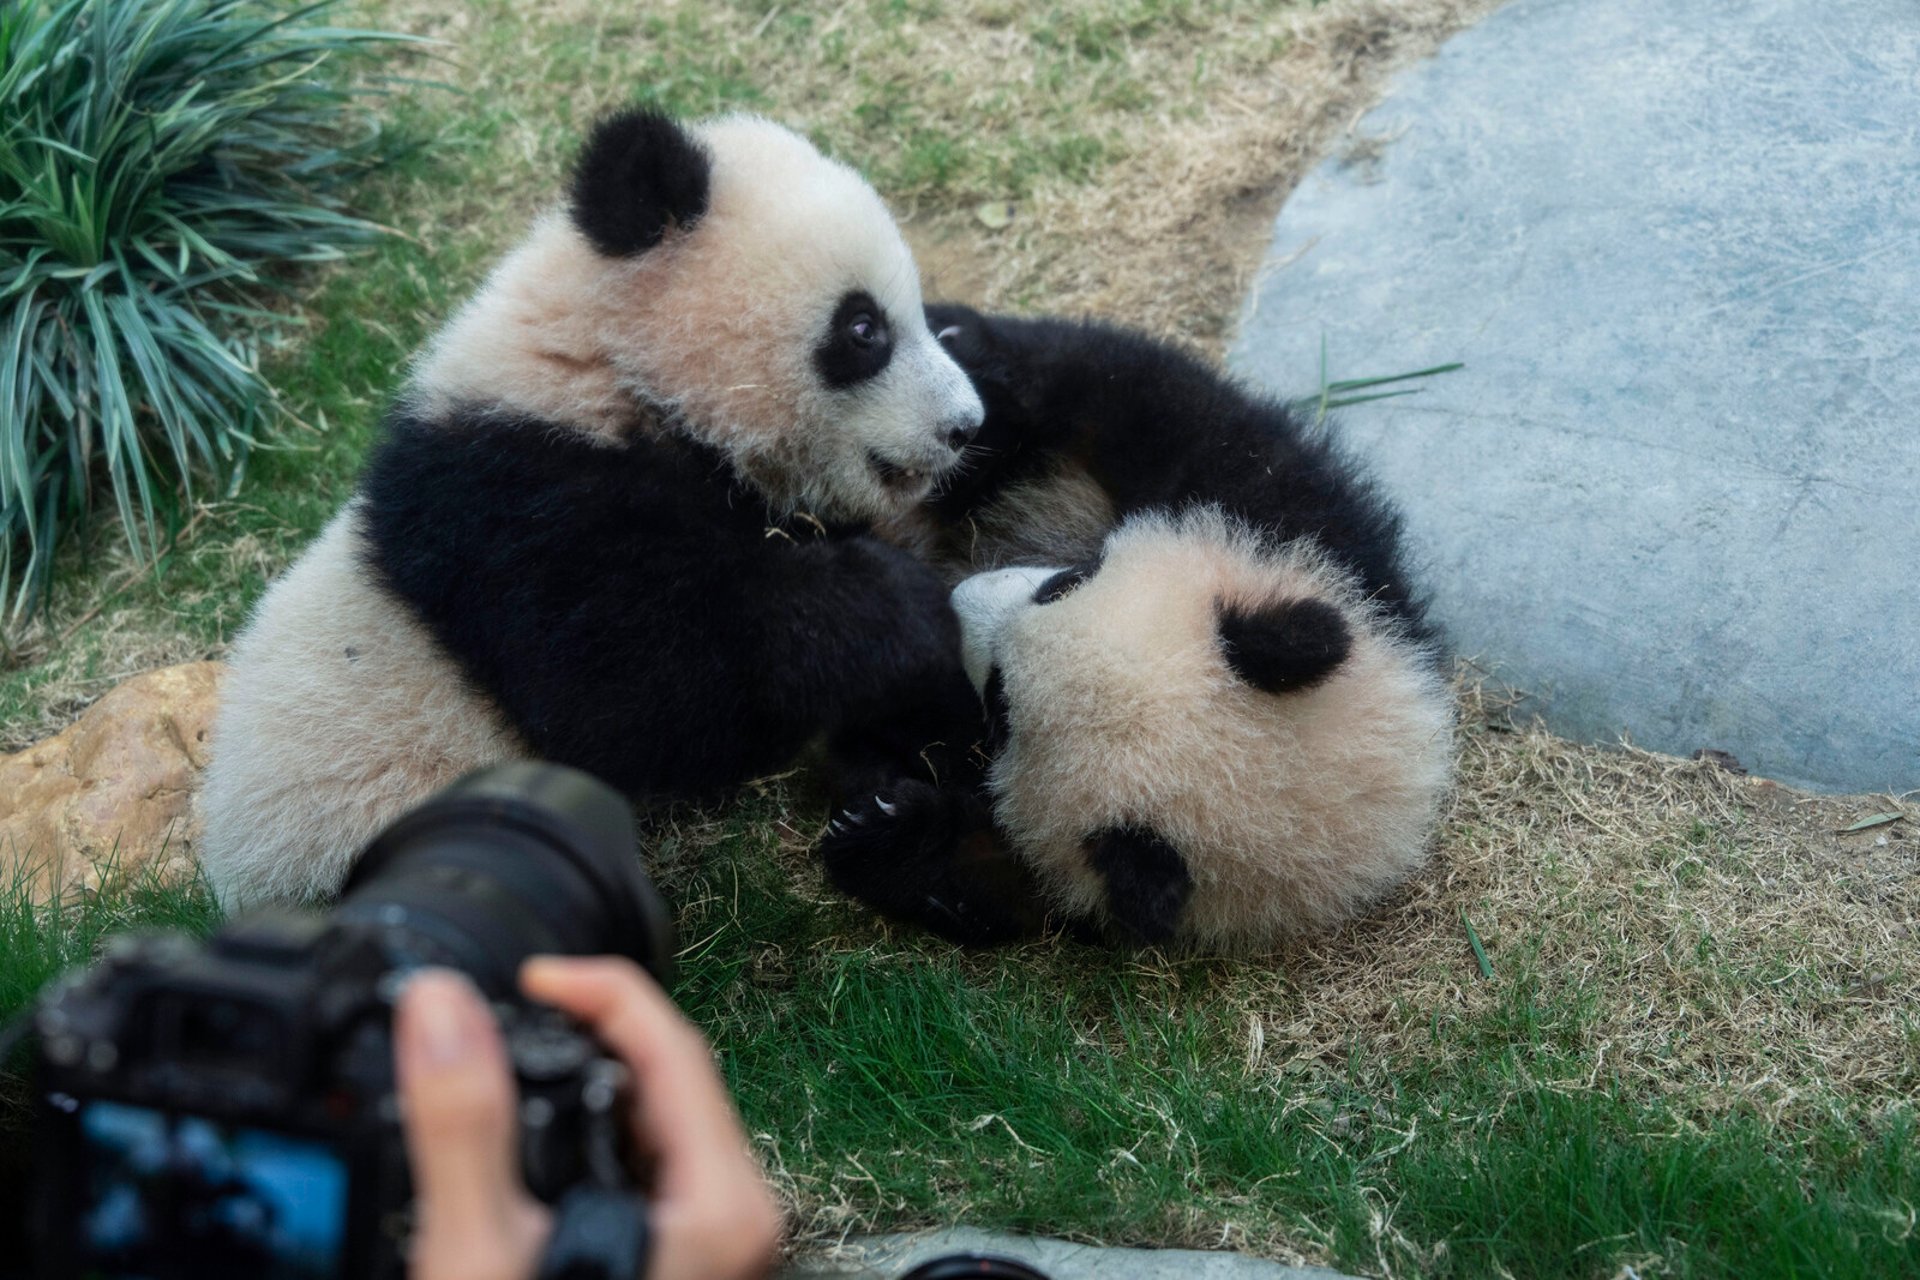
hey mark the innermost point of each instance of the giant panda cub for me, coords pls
(619, 517)
(1205, 737)
(1227, 724)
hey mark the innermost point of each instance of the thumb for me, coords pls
(457, 1095)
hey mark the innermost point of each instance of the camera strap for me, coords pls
(599, 1233)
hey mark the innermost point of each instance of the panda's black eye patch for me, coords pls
(858, 342)
(1063, 582)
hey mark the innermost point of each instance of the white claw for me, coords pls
(885, 808)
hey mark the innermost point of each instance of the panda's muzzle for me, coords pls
(959, 433)
(896, 476)
(905, 479)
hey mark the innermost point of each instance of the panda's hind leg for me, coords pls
(929, 856)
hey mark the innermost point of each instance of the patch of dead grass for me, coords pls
(1169, 238)
(1145, 145)
(1727, 943)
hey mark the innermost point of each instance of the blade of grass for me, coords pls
(1479, 951)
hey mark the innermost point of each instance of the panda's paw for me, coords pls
(898, 821)
(856, 815)
(886, 845)
(926, 856)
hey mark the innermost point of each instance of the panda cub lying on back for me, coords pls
(619, 518)
(1223, 725)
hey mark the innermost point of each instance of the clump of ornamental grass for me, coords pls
(162, 164)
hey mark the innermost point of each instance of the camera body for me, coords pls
(230, 1107)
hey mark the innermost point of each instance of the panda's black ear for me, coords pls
(1147, 880)
(1294, 644)
(950, 320)
(965, 334)
(638, 174)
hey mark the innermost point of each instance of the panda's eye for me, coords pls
(1063, 582)
(857, 344)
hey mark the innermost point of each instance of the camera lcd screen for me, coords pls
(166, 1195)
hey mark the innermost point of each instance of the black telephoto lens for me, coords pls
(518, 860)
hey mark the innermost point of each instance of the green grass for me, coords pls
(36, 945)
(333, 367)
(1065, 1090)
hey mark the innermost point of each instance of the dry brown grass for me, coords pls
(1169, 238)
(1196, 120)
(1737, 945)
(113, 622)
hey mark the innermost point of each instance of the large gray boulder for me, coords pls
(1675, 493)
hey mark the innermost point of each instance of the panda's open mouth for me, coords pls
(894, 476)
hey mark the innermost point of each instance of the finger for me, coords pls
(736, 1235)
(458, 1098)
(684, 1114)
(713, 1214)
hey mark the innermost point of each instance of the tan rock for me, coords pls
(110, 795)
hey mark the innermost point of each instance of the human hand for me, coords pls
(712, 1216)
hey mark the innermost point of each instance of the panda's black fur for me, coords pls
(638, 612)
(1156, 430)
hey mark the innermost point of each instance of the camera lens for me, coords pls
(973, 1266)
(518, 860)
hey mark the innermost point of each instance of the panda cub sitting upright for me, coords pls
(619, 518)
(1225, 724)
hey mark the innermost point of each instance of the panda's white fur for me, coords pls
(341, 710)
(1292, 811)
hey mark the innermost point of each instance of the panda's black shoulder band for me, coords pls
(639, 173)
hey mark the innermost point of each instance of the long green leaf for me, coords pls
(159, 161)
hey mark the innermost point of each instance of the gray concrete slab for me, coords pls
(1675, 493)
(889, 1257)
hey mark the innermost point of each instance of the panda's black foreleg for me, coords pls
(929, 856)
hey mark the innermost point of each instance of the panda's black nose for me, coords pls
(961, 434)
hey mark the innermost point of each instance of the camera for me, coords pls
(228, 1108)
